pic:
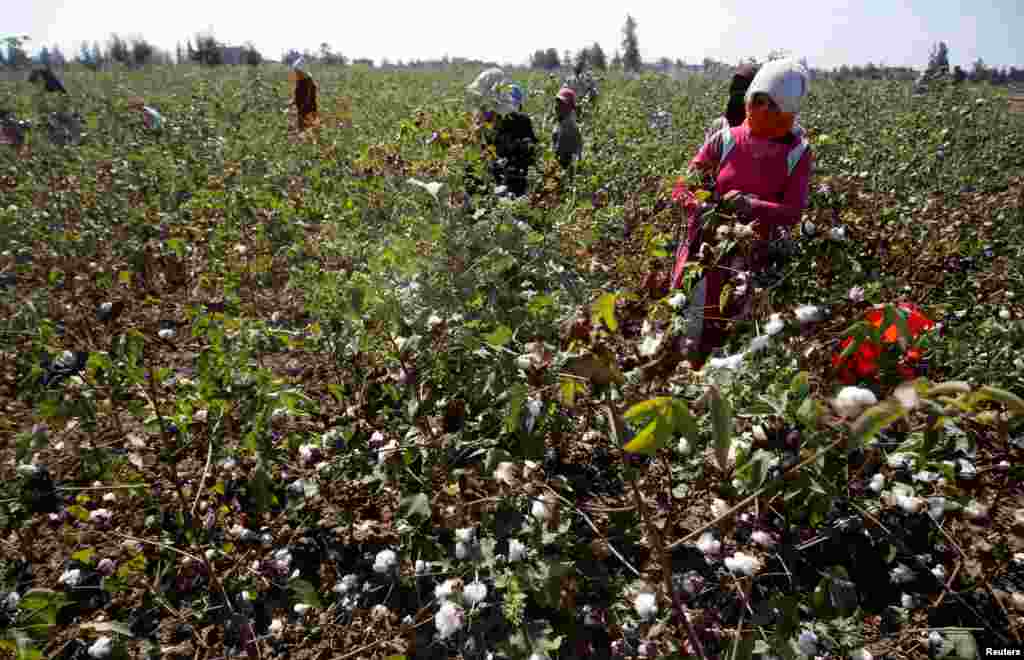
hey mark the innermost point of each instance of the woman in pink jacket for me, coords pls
(761, 170)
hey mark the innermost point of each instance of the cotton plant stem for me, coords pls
(748, 500)
(666, 571)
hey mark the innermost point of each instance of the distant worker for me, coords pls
(50, 81)
(505, 127)
(566, 139)
(736, 108)
(305, 95)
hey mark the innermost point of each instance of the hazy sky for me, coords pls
(827, 32)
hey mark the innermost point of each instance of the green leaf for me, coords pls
(305, 592)
(874, 420)
(262, 490)
(109, 626)
(134, 566)
(810, 412)
(721, 427)
(85, 556)
(517, 397)
(648, 441)
(723, 298)
(415, 505)
(604, 310)
(1010, 400)
(801, 385)
(500, 336)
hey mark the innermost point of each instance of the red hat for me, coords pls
(568, 96)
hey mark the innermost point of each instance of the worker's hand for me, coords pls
(738, 202)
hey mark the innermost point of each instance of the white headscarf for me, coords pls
(786, 81)
(492, 90)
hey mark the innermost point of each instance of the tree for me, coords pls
(598, 60)
(617, 60)
(552, 58)
(979, 72)
(630, 45)
(938, 59)
(142, 51)
(117, 50)
(253, 57)
(582, 59)
(207, 50)
(566, 59)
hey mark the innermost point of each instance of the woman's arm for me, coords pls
(794, 199)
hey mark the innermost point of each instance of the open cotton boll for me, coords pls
(763, 539)
(809, 314)
(939, 572)
(646, 605)
(474, 593)
(516, 550)
(719, 507)
(901, 574)
(852, 401)
(743, 564)
(910, 504)
(101, 648)
(385, 561)
(448, 619)
(759, 343)
(775, 325)
(445, 590)
(861, 654)
(808, 643)
(708, 544)
(731, 363)
(877, 483)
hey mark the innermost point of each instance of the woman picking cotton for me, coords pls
(505, 127)
(761, 171)
(305, 95)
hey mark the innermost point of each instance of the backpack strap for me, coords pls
(792, 158)
(795, 154)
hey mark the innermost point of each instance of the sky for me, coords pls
(829, 33)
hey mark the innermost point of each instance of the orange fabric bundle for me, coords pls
(864, 362)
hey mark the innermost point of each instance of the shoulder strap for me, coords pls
(795, 154)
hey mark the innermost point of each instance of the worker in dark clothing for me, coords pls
(503, 126)
(50, 82)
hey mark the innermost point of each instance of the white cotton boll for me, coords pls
(877, 483)
(935, 638)
(646, 605)
(743, 564)
(678, 301)
(910, 504)
(445, 590)
(463, 550)
(516, 550)
(301, 608)
(474, 592)
(684, 447)
(507, 473)
(808, 314)
(731, 363)
(856, 294)
(939, 572)
(808, 642)
(852, 401)
(465, 534)
(101, 648)
(708, 544)
(763, 539)
(759, 343)
(543, 509)
(908, 602)
(775, 325)
(165, 333)
(448, 619)
(837, 234)
(861, 654)
(71, 578)
(719, 507)
(277, 628)
(385, 561)
(901, 574)
(379, 612)
(421, 567)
